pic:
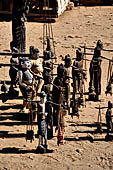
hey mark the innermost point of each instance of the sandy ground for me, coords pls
(76, 27)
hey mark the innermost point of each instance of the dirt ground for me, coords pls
(82, 25)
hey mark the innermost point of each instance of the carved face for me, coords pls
(79, 54)
(100, 44)
(26, 64)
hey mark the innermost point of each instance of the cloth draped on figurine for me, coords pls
(36, 68)
(77, 71)
(78, 74)
(26, 82)
(42, 123)
(48, 106)
(59, 82)
(20, 8)
(95, 72)
(58, 92)
(67, 66)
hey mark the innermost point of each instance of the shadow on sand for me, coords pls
(14, 150)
